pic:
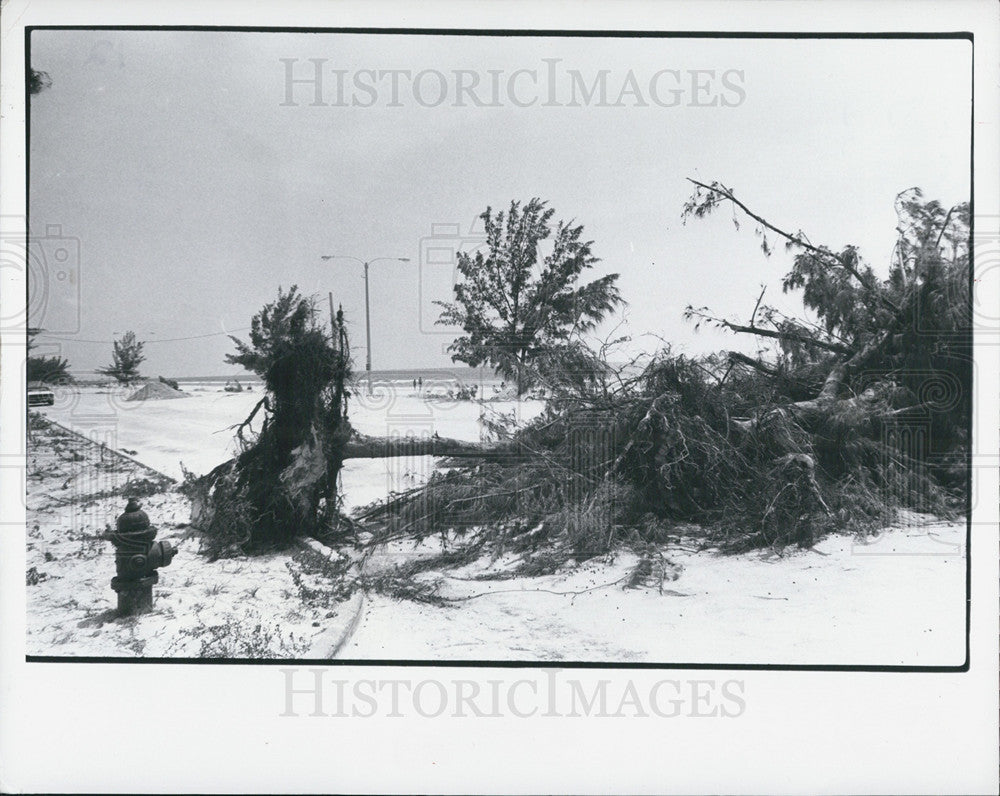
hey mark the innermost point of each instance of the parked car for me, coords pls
(40, 395)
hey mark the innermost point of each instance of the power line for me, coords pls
(145, 342)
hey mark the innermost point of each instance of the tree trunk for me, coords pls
(364, 447)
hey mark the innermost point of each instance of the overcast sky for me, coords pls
(196, 184)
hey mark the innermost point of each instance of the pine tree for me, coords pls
(126, 356)
(519, 309)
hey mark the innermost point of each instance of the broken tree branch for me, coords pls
(798, 240)
(836, 348)
(753, 315)
(756, 364)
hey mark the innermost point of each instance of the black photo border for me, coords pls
(539, 33)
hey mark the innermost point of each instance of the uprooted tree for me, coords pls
(864, 411)
(908, 333)
(855, 414)
(283, 483)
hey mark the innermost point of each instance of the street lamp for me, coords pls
(368, 325)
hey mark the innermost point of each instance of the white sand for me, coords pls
(156, 391)
(897, 601)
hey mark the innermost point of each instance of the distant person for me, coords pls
(420, 382)
(414, 384)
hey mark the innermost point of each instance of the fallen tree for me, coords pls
(855, 415)
(283, 483)
(365, 447)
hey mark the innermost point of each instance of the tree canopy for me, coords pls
(38, 81)
(861, 408)
(911, 329)
(519, 309)
(126, 356)
(52, 370)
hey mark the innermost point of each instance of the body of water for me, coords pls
(452, 374)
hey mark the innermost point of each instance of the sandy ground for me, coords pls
(266, 606)
(897, 600)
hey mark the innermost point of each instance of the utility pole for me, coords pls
(368, 323)
(368, 335)
(333, 321)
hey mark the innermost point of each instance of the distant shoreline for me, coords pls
(401, 374)
(464, 374)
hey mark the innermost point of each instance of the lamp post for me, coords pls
(368, 324)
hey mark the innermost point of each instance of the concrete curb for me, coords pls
(330, 641)
(328, 644)
(111, 451)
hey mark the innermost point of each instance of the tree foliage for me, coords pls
(910, 330)
(858, 411)
(292, 353)
(51, 370)
(38, 81)
(518, 308)
(126, 356)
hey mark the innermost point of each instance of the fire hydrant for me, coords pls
(137, 557)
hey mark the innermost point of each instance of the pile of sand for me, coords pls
(156, 391)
